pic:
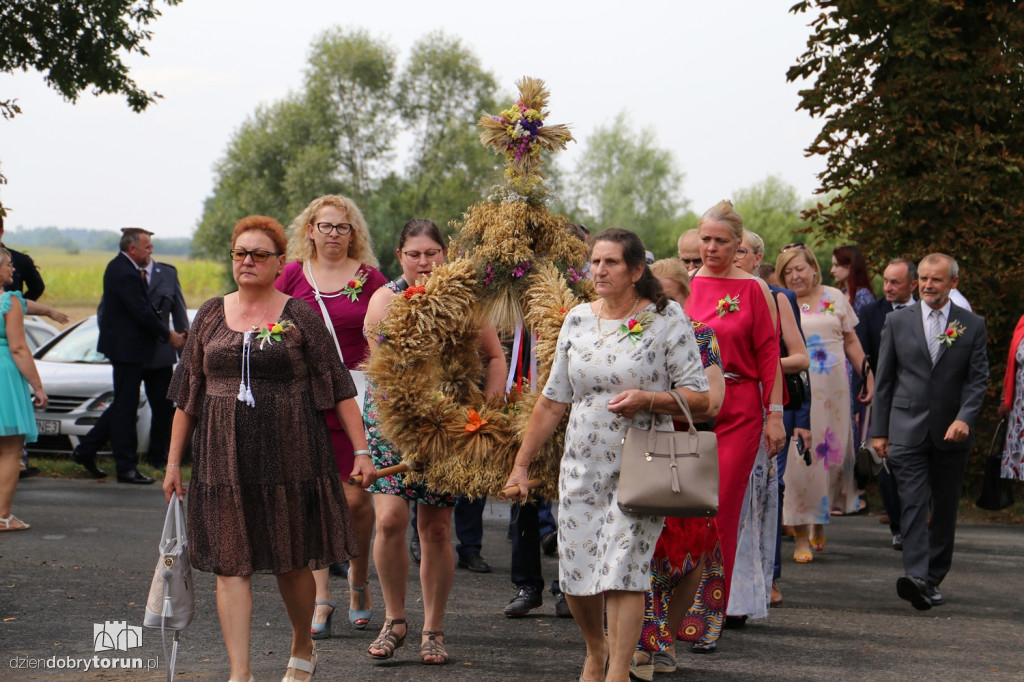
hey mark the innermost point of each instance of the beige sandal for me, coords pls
(5, 523)
(299, 665)
(433, 647)
(387, 641)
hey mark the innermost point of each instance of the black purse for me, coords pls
(798, 386)
(996, 491)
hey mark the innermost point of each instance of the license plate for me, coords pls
(48, 427)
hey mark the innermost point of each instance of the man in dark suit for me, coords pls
(899, 285)
(138, 297)
(931, 379)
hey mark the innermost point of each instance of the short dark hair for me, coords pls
(420, 226)
(911, 266)
(634, 254)
(130, 236)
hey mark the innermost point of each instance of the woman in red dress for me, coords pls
(740, 309)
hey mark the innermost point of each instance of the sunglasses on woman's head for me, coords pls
(794, 245)
(258, 255)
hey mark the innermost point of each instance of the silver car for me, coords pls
(38, 332)
(80, 384)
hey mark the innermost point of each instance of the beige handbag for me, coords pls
(669, 473)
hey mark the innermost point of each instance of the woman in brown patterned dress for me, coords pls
(256, 374)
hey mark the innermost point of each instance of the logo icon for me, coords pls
(116, 635)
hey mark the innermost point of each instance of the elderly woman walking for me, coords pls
(611, 380)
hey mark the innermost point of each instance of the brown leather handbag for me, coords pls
(669, 473)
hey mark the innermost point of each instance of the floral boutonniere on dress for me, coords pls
(953, 332)
(354, 288)
(828, 306)
(729, 304)
(634, 327)
(274, 331)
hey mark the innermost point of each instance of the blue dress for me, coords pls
(17, 416)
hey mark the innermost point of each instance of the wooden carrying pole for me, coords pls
(515, 490)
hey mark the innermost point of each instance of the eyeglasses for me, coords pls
(742, 252)
(415, 255)
(691, 261)
(326, 228)
(794, 245)
(258, 255)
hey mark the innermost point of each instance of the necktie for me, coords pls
(899, 306)
(145, 277)
(934, 330)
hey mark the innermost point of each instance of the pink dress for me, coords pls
(749, 344)
(347, 317)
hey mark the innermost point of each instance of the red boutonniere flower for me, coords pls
(274, 331)
(353, 288)
(727, 305)
(634, 327)
(953, 332)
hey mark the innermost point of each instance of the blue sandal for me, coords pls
(360, 618)
(322, 630)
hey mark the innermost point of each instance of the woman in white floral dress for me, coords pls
(613, 378)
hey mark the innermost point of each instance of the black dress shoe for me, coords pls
(414, 549)
(935, 595)
(527, 598)
(134, 476)
(915, 591)
(29, 472)
(561, 605)
(549, 543)
(89, 462)
(897, 542)
(474, 562)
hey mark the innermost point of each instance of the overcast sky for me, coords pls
(707, 77)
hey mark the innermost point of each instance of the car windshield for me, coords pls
(78, 345)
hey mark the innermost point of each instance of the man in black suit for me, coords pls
(138, 297)
(899, 285)
(932, 374)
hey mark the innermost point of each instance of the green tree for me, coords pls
(923, 137)
(77, 46)
(624, 179)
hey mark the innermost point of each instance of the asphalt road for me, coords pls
(89, 558)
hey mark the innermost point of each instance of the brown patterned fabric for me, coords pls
(265, 495)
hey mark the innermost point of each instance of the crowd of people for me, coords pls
(285, 443)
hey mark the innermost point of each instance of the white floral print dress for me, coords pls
(600, 547)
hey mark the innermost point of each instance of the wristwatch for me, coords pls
(774, 407)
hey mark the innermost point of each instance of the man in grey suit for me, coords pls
(932, 374)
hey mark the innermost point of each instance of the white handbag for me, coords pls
(172, 598)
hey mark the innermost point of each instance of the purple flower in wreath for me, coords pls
(829, 449)
(521, 269)
(490, 276)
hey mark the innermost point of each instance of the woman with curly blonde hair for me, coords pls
(334, 270)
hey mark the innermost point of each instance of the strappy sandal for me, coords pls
(433, 647)
(818, 542)
(360, 618)
(299, 665)
(322, 630)
(5, 523)
(387, 641)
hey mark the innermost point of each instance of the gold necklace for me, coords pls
(600, 310)
(254, 327)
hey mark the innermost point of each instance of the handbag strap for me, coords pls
(865, 425)
(682, 406)
(323, 309)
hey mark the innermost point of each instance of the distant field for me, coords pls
(74, 281)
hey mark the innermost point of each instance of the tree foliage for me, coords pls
(338, 135)
(625, 180)
(923, 137)
(79, 45)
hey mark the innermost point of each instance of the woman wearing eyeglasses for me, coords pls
(333, 268)
(420, 250)
(254, 379)
(739, 307)
(813, 487)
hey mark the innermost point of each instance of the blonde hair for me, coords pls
(724, 213)
(672, 269)
(788, 255)
(755, 241)
(360, 246)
